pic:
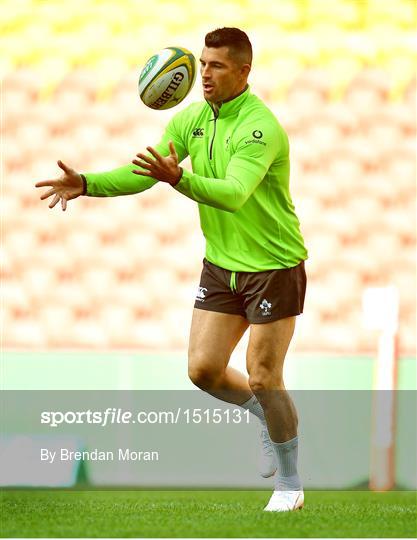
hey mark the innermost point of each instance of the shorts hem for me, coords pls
(265, 320)
(218, 310)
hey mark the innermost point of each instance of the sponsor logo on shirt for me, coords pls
(257, 135)
(198, 133)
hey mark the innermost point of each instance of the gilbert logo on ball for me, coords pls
(167, 78)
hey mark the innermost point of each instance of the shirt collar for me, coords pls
(231, 106)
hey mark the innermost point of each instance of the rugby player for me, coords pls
(253, 274)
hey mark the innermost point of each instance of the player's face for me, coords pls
(222, 77)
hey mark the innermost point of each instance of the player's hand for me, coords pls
(68, 186)
(165, 169)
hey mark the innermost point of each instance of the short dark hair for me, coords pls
(236, 40)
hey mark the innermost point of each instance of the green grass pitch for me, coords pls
(218, 514)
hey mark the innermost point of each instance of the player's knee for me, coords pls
(203, 376)
(263, 380)
(258, 384)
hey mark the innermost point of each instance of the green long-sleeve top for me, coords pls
(240, 180)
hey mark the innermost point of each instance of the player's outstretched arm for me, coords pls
(69, 185)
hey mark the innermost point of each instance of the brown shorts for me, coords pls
(260, 297)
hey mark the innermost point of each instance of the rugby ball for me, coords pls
(167, 78)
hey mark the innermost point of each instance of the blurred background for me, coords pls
(101, 296)
(121, 273)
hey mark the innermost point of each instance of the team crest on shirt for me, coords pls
(201, 294)
(265, 307)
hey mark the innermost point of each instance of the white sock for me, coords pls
(253, 406)
(286, 478)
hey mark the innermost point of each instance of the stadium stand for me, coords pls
(339, 75)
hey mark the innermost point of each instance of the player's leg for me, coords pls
(219, 321)
(213, 337)
(268, 345)
(267, 348)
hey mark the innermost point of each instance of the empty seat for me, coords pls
(384, 247)
(88, 333)
(21, 245)
(82, 244)
(31, 137)
(14, 298)
(96, 282)
(38, 282)
(401, 220)
(342, 166)
(324, 136)
(25, 332)
(20, 84)
(407, 338)
(148, 334)
(57, 322)
(79, 80)
(365, 214)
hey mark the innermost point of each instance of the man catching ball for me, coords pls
(253, 273)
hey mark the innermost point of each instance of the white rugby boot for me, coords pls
(285, 501)
(267, 458)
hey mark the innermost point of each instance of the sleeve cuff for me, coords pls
(84, 179)
(179, 179)
(185, 175)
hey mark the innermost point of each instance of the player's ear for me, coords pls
(245, 70)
